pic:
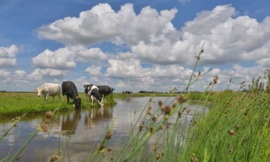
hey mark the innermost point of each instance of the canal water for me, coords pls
(82, 128)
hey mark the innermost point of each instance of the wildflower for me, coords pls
(174, 105)
(149, 113)
(199, 73)
(143, 121)
(150, 107)
(188, 110)
(18, 118)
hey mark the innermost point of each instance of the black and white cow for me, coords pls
(93, 92)
(49, 89)
(70, 90)
(105, 90)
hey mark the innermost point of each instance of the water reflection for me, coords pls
(70, 122)
(86, 126)
(128, 99)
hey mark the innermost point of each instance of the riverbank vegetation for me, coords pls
(13, 103)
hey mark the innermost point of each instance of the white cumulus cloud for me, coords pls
(8, 56)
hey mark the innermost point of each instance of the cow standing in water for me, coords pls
(49, 89)
(69, 89)
(93, 92)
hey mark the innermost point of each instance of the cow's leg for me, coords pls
(92, 98)
(46, 97)
(67, 99)
(52, 99)
(85, 97)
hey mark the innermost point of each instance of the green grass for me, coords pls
(18, 103)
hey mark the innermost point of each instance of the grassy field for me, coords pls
(13, 103)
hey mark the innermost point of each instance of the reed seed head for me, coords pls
(181, 99)
(141, 127)
(231, 132)
(143, 121)
(151, 129)
(110, 149)
(179, 114)
(160, 103)
(166, 109)
(149, 113)
(154, 119)
(158, 156)
(109, 135)
(49, 114)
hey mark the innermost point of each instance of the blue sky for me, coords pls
(131, 45)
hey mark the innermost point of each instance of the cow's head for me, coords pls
(77, 103)
(101, 103)
(39, 90)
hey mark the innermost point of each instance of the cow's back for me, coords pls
(69, 88)
(52, 88)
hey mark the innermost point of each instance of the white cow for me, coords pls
(49, 89)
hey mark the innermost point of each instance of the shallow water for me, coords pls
(83, 128)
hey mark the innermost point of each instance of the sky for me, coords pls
(132, 45)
